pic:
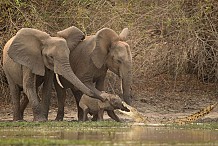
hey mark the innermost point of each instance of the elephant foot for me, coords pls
(40, 119)
(58, 119)
(80, 120)
(60, 116)
(95, 118)
(19, 120)
(80, 117)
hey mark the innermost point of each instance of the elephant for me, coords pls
(96, 107)
(31, 58)
(90, 61)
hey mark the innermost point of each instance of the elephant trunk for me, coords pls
(126, 83)
(65, 70)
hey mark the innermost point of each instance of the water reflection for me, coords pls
(95, 134)
(163, 134)
(147, 134)
(133, 134)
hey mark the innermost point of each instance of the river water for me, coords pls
(133, 135)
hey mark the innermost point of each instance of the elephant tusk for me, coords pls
(58, 80)
(121, 87)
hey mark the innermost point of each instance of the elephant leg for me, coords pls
(78, 94)
(46, 92)
(61, 96)
(29, 87)
(39, 82)
(95, 117)
(15, 94)
(85, 111)
(113, 116)
(23, 104)
(100, 115)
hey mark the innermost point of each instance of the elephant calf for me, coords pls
(96, 107)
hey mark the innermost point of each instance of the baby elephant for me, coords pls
(96, 107)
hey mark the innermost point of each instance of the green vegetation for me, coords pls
(63, 124)
(32, 141)
(209, 126)
(29, 141)
(89, 125)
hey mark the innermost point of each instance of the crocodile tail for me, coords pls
(196, 116)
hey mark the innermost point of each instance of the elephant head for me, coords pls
(37, 50)
(112, 50)
(116, 102)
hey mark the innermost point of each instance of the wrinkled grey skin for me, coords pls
(96, 107)
(30, 58)
(90, 61)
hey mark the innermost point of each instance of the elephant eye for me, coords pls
(119, 61)
(50, 57)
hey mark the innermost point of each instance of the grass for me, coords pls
(101, 124)
(31, 141)
(209, 126)
(54, 124)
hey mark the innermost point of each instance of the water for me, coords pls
(133, 135)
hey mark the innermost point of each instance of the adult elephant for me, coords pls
(90, 61)
(32, 57)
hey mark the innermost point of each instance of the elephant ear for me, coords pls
(104, 39)
(72, 35)
(124, 34)
(26, 48)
